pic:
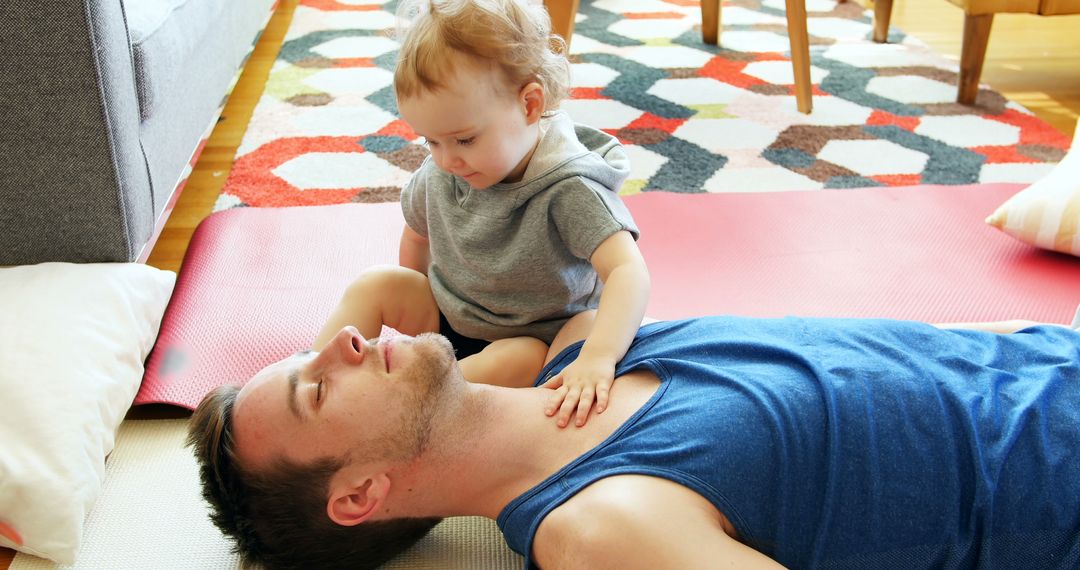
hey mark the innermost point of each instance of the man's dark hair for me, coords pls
(277, 516)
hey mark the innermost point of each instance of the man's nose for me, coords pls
(350, 344)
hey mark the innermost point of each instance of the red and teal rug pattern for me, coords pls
(696, 118)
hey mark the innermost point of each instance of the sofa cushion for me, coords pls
(187, 67)
(144, 17)
(164, 36)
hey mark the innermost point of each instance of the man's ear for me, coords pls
(532, 100)
(354, 500)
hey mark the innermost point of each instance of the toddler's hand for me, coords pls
(576, 388)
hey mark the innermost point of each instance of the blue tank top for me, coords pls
(837, 443)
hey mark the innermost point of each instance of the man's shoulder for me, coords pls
(601, 516)
(585, 524)
(616, 500)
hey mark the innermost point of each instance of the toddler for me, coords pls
(514, 223)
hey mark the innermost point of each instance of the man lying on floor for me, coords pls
(728, 442)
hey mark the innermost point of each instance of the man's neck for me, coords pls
(496, 443)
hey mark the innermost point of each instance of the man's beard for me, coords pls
(436, 369)
(433, 371)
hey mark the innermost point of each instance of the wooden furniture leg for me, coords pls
(710, 21)
(882, 14)
(797, 34)
(562, 22)
(562, 14)
(800, 54)
(972, 55)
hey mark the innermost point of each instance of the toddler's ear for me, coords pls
(532, 101)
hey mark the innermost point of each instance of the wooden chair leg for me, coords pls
(800, 54)
(710, 22)
(882, 14)
(972, 54)
(562, 14)
(800, 44)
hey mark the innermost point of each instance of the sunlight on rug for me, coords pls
(695, 118)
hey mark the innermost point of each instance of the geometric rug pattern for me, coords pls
(694, 117)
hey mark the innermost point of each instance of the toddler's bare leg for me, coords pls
(511, 362)
(389, 295)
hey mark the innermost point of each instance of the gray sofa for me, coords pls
(103, 106)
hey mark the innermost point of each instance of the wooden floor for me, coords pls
(1032, 60)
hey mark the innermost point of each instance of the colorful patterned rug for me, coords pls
(696, 118)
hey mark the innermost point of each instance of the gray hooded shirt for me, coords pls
(513, 259)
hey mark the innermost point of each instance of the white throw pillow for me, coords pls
(73, 339)
(1047, 213)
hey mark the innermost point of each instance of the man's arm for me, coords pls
(637, 521)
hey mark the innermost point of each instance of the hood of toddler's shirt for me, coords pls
(568, 150)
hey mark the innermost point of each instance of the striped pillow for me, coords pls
(1047, 213)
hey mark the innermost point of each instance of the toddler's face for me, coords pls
(474, 130)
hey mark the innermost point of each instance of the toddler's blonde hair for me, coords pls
(514, 35)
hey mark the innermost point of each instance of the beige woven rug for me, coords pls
(151, 515)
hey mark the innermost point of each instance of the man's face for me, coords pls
(372, 398)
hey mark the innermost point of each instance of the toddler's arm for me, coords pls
(413, 252)
(621, 267)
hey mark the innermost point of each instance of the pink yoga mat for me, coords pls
(921, 253)
(257, 283)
